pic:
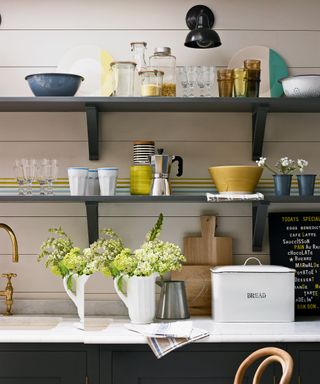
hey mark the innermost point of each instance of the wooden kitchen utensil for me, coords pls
(208, 249)
(198, 287)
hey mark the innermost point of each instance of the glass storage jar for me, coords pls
(162, 60)
(123, 78)
(151, 82)
(138, 55)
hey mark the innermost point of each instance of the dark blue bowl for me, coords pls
(54, 84)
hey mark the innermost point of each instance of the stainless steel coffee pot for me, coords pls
(161, 166)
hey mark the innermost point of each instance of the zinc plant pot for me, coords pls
(306, 184)
(282, 185)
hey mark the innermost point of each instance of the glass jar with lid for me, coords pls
(162, 60)
(151, 82)
(123, 78)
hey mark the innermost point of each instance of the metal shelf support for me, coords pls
(92, 209)
(259, 118)
(259, 220)
(92, 115)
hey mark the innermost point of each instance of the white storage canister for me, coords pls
(253, 293)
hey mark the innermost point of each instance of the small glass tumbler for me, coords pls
(240, 78)
(151, 82)
(123, 75)
(225, 82)
(208, 77)
(254, 71)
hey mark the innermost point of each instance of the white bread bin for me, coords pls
(253, 293)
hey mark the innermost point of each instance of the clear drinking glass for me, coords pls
(200, 79)
(52, 175)
(209, 77)
(18, 171)
(29, 173)
(183, 80)
(191, 79)
(41, 175)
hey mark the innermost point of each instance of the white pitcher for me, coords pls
(78, 296)
(140, 298)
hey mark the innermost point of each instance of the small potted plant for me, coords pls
(135, 272)
(71, 264)
(282, 174)
(306, 182)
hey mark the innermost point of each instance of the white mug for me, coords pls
(93, 188)
(78, 180)
(108, 181)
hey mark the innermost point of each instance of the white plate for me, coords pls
(93, 63)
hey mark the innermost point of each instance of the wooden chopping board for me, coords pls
(198, 286)
(208, 249)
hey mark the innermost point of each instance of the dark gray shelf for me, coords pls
(259, 107)
(158, 104)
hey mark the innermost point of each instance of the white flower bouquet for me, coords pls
(64, 259)
(284, 166)
(154, 256)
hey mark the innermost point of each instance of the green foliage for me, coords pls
(63, 258)
(154, 256)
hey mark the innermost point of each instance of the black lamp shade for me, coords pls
(202, 38)
(200, 20)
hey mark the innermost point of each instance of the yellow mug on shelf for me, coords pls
(140, 179)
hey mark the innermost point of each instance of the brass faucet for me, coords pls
(8, 292)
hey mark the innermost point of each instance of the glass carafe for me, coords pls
(165, 62)
(138, 55)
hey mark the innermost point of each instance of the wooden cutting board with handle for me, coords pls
(198, 286)
(208, 249)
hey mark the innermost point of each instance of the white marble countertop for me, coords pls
(112, 331)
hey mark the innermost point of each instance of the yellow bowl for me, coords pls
(236, 179)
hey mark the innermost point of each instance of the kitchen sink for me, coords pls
(28, 323)
(96, 324)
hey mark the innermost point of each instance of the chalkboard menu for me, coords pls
(295, 243)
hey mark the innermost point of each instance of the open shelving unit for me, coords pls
(92, 106)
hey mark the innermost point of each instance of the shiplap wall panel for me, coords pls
(179, 127)
(35, 34)
(26, 49)
(126, 14)
(198, 156)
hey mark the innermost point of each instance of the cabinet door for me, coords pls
(42, 367)
(306, 357)
(191, 366)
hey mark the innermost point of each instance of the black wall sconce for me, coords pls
(200, 20)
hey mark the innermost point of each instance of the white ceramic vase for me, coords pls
(78, 295)
(140, 298)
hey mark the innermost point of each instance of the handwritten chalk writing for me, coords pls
(295, 243)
